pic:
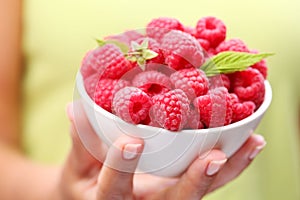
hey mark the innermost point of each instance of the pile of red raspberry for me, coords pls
(170, 90)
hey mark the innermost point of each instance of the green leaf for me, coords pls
(135, 46)
(145, 44)
(149, 54)
(140, 53)
(230, 61)
(123, 47)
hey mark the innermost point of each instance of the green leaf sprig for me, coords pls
(140, 53)
(230, 61)
(123, 47)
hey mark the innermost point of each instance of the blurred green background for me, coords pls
(59, 32)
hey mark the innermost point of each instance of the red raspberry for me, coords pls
(105, 91)
(194, 120)
(192, 81)
(215, 108)
(131, 104)
(126, 37)
(261, 66)
(221, 80)
(152, 82)
(86, 68)
(108, 61)
(158, 27)
(248, 85)
(232, 45)
(170, 110)
(90, 84)
(242, 110)
(182, 50)
(211, 29)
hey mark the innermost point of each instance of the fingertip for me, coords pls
(131, 151)
(259, 144)
(69, 111)
(259, 140)
(214, 161)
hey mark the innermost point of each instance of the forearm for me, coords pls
(10, 71)
(23, 179)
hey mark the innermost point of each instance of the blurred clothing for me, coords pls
(58, 33)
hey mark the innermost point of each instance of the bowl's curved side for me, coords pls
(167, 153)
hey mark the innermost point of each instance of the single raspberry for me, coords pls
(158, 27)
(90, 84)
(108, 61)
(182, 50)
(248, 85)
(192, 81)
(261, 66)
(232, 45)
(170, 110)
(221, 80)
(211, 29)
(194, 120)
(242, 110)
(126, 37)
(105, 91)
(214, 108)
(87, 68)
(152, 82)
(131, 104)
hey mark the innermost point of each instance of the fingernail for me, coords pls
(69, 111)
(130, 151)
(256, 150)
(214, 167)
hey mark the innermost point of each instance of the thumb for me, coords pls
(116, 176)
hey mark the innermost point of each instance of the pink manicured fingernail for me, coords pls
(256, 150)
(130, 151)
(214, 167)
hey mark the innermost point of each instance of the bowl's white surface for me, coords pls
(169, 153)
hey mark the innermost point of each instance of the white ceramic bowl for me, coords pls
(169, 153)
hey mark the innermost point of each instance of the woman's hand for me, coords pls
(85, 177)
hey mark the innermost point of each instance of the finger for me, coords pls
(116, 177)
(195, 182)
(240, 160)
(80, 162)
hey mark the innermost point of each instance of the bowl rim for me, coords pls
(260, 111)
